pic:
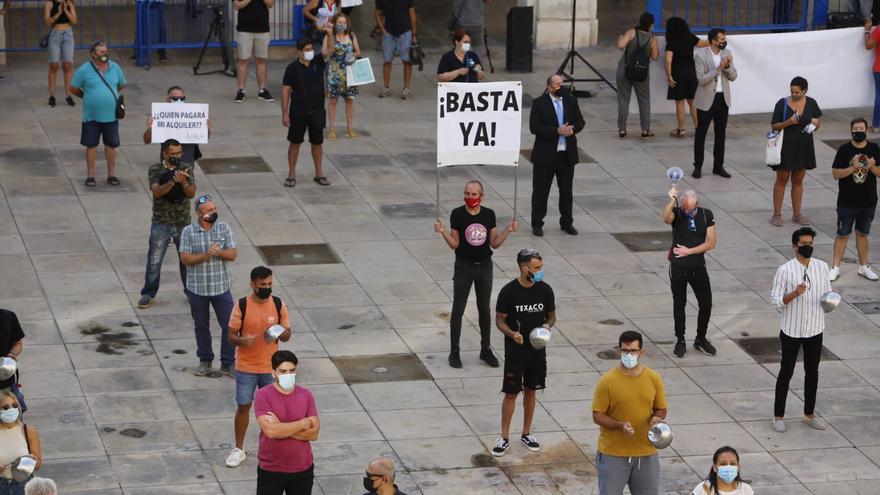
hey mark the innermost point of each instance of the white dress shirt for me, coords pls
(717, 58)
(803, 316)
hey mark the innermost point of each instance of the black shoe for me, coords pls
(569, 229)
(538, 231)
(704, 346)
(721, 172)
(501, 447)
(490, 359)
(454, 360)
(265, 95)
(529, 441)
(680, 349)
(239, 96)
(697, 174)
(70, 101)
(52, 101)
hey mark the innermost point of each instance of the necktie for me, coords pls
(557, 102)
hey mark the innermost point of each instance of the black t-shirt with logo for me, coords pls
(473, 233)
(253, 18)
(857, 190)
(10, 333)
(526, 308)
(682, 234)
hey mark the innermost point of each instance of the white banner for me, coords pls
(833, 61)
(185, 122)
(479, 123)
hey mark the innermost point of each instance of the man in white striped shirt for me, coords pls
(797, 290)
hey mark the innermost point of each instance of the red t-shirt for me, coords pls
(286, 455)
(875, 35)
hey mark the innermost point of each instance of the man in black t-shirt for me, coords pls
(11, 336)
(525, 303)
(253, 38)
(473, 237)
(693, 234)
(855, 168)
(302, 108)
(396, 20)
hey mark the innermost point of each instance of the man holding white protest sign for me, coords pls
(185, 122)
(191, 151)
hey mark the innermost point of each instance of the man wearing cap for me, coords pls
(207, 246)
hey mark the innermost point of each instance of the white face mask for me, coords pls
(287, 381)
(309, 56)
(465, 47)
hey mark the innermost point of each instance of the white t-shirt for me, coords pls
(717, 58)
(705, 489)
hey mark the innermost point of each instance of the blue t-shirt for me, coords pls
(99, 104)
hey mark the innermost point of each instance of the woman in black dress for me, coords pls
(799, 116)
(680, 72)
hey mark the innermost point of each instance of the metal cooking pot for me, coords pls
(23, 468)
(660, 435)
(539, 337)
(674, 174)
(829, 301)
(7, 368)
(273, 333)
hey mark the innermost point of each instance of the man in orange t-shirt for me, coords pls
(253, 354)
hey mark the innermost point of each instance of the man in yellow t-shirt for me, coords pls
(251, 316)
(628, 400)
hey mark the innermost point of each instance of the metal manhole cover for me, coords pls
(766, 350)
(234, 165)
(384, 368)
(638, 242)
(298, 254)
(409, 210)
(868, 308)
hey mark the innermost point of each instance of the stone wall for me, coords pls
(553, 23)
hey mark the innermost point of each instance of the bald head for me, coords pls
(382, 466)
(689, 200)
(554, 82)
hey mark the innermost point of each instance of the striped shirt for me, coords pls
(212, 277)
(803, 316)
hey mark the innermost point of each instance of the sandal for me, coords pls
(112, 180)
(621, 134)
(647, 134)
(351, 134)
(776, 220)
(331, 135)
(290, 182)
(90, 182)
(800, 220)
(677, 133)
(322, 181)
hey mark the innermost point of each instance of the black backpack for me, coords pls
(637, 66)
(242, 306)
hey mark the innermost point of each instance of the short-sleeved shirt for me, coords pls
(682, 50)
(857, 190)
(307, 84)
(450, 62)
(212, 277)
(798, 152)
(875, 35)
(682, 234)
(284, 455)
(189, 153)
(253, 18)
(10, 333)
(259, 315)
(99, 102)
(628, 398)
(473, 233)
(173, 208)
(396, 14)
(526, 308)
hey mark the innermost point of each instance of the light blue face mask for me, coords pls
(287, 381)
(9, 416)
(727, 473)
(629, 361)
(538, 276)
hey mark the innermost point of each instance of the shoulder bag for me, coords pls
(773, 154)
(120, 100)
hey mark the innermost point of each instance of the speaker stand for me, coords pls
(568, 76)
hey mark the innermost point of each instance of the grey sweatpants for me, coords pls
(642, 474)
(643, 96)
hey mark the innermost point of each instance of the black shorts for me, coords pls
(93, 132)
(313, 121)
(273, 483)
(523, 367)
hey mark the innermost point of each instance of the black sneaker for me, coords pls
(704, 346)
(529, 441)
(239, 97)
(490, 359)
(454, 360)
(264, 95)
(70, 101)
(52, 101)
(501, 447)
(680, 349)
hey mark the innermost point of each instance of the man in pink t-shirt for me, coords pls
(288, 420)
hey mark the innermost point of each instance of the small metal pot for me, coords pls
(660, 435)
(7, 368)
(273, 333)
(539, 337)
(23, 468)
(674, 174)
(829, 301)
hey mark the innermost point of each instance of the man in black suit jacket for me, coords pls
(554, 120)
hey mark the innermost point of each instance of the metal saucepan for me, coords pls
(273, 333)
(7, 368)
(674, 174)
(660, 435)
(829, 301)
(23, 468)
(539, 337)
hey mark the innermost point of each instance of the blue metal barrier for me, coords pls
(733, 15)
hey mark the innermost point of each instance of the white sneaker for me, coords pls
(236, 457)
(834, 273)
(386, 92)
(868, 273)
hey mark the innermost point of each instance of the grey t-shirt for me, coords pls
(468, 12)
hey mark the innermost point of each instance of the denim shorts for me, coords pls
(400, 44)
(860, 217)
(93, 132)
(61, 44)
(246, 385)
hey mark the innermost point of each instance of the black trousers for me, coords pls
(273, 483)
(479, 275)
(542, 179)
(717, 113)
(698, 278)
(812, 355)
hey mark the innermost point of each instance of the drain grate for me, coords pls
(869, 307)
(384, 368)
(639, 242)
(298, 254)
(766, 350)
(234, 165)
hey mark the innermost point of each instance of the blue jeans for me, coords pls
(200, 307)
(875, 121)
(246, 385)
(12, 487)
(160, 235)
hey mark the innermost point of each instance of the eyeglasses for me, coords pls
(7, 407)
(178, 98)
(631, 352)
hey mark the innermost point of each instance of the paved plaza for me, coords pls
(110, 386)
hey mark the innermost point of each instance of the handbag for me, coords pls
(416, 55)
(773, 153)
(44, 41)
(120, 100)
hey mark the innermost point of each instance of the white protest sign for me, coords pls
(185, 122)
(479, 123)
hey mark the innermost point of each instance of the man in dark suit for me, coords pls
(555, 119)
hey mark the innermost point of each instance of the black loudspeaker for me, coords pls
(837, 20)
(519, 39)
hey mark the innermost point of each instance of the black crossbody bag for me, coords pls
(120, 100)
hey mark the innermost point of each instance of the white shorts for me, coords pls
(253, 45)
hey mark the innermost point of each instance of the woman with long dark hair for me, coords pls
(639, 38)
(724, 476)
(681, 75)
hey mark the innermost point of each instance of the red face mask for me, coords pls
(472, 202)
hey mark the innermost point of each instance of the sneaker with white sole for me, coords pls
(529, 441)
(868, 273)
(145, 302)
(777, 425)
(501, 447)
(236, 457)
(405, 94)
(386, 92)
(834, 273)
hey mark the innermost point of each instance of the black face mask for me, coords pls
(722, 45)
(859, 136)
(556, 93)
(174, 160)
(210, 218)
(368, 485)
(805, 251)
(264, 292)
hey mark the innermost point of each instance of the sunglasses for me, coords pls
(178, 98)
(204, 198)
(7, 407)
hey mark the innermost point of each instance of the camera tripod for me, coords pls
(569, 60)
(218, 29)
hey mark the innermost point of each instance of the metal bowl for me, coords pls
(660, 435)
(674, 174)
(273, 333)
(539, 337)
(23, 468)
(7, 368)
(829, 301)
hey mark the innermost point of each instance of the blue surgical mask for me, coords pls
(629, 361)
(287, 381)
(465, 47)
(537, 276)
(727, 473)
(9, 416)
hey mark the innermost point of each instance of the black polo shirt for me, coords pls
(450, 62)
(308, 86)
(10, 333)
